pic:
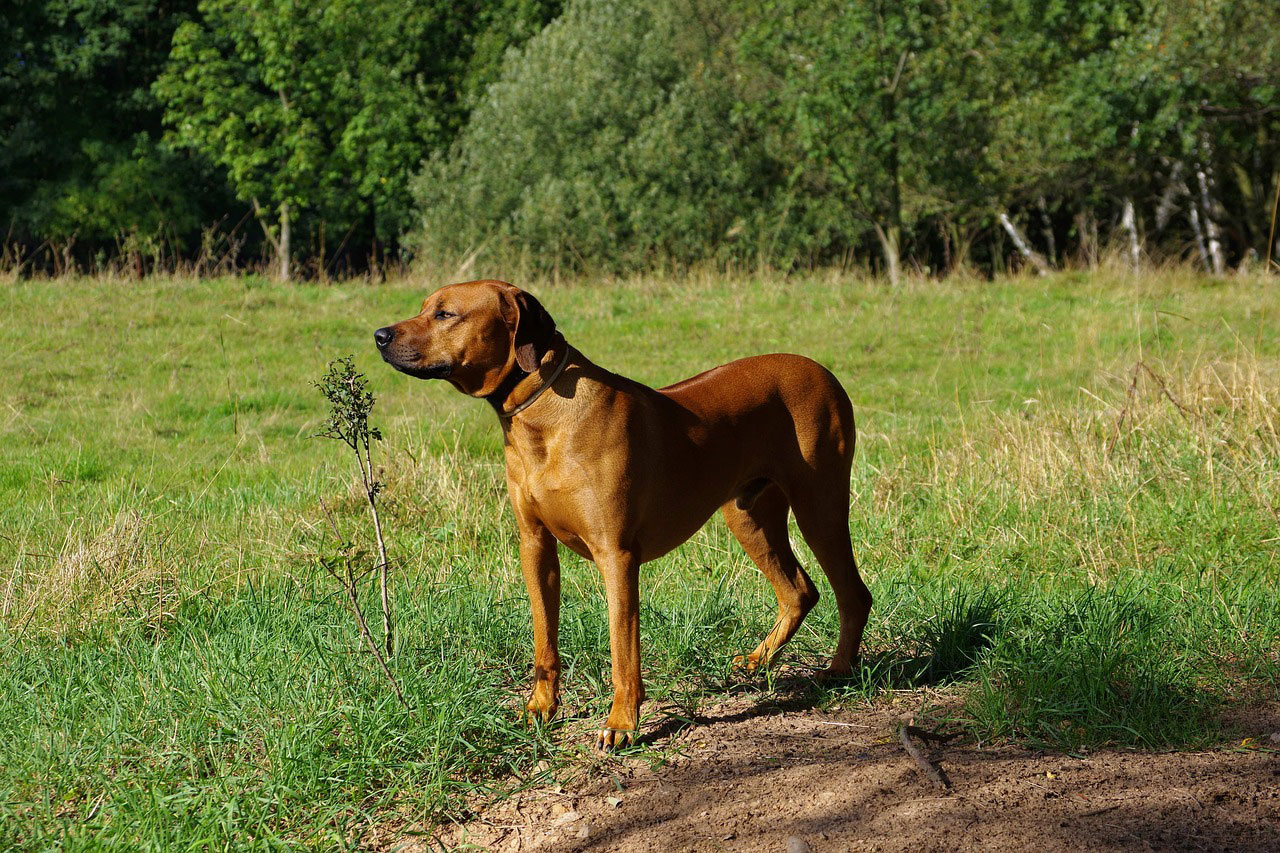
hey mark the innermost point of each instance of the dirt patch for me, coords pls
(751, 777)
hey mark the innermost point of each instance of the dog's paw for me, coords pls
(833, 673)
(539, 715)
(542, 706)
(611, 740)
(747, 663)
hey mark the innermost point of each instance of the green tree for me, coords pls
(313, 108)
(882, 106)
(1112, 105)
(607, 141)
(79, 128)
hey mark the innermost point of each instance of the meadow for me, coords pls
(1066, 499)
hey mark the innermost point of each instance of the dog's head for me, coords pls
(472, 334)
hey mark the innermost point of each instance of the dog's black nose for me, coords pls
(384, 336)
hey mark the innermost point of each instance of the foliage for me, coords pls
(350, 402)
(318, 108)
(79, 128)
(571, 152)
(807, 133)
(882, 107)
(84, 85)
(630, 135)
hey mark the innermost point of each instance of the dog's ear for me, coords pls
(533, 328)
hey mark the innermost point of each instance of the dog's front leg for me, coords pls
(541, 567)
(621, 572)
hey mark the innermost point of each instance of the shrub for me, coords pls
(605, 142)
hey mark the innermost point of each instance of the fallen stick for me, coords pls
(932, 773)
(928, 736)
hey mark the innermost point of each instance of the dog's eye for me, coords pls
(442, 314)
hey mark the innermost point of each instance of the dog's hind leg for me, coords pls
(762, 531)
(822, 513)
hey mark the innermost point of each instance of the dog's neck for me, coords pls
(507, 401)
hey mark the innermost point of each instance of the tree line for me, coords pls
(341, 136)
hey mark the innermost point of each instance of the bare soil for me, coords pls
(748, 775)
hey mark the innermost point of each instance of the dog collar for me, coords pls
(536, 394)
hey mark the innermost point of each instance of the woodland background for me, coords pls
(338, 137)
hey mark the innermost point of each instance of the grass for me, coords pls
(1064, 502)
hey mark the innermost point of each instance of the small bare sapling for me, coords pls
(350, 402)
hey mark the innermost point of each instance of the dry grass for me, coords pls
(115, 572)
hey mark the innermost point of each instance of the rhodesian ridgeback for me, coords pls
(622, 473)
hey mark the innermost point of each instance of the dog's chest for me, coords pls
(565, 491)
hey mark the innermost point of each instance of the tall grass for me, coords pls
(1064, 502)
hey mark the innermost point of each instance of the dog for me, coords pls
(621, 473)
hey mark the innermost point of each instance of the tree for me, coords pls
(79, 128)
(876, 102)
(603, 142)
(313, 108)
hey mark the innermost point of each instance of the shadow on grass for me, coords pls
(1097, 667)
(1092, 667)
(939, 650)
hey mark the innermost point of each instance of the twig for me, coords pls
(930, 737)
(1164, 389)
(349, 584)
(1140, 367)
(332, 524)
(371, 492)
(350, 404)
(1102, 810)
(1124, 410)
(932, 773)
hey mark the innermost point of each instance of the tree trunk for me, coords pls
(1128, 221)
(944, 233)
(1272, 243)
(890, 242)
(962, 240)
(283, 247)
(1210, 227)
(1169, 198)
(891, 236)
(1087, 228)
(1031, 255)
(1199, 232)
(376, 272)
(1208, 206)
(321, 268)
(1049, 240)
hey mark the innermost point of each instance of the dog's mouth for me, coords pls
(418, 370)
(440, 370)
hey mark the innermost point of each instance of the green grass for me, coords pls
(1080, 551)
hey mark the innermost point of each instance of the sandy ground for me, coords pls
(753, 776)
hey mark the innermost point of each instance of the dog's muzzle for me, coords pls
(407, 362)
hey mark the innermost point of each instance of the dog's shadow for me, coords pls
(934, 652)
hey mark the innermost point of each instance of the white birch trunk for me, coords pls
(1210, 227)
(890, 242)
(1031, 255)
(280, 244)
(1199, 232)
(1128, 222)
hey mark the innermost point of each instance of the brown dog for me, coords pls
(622, 473)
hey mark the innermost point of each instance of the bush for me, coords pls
(604, 143)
